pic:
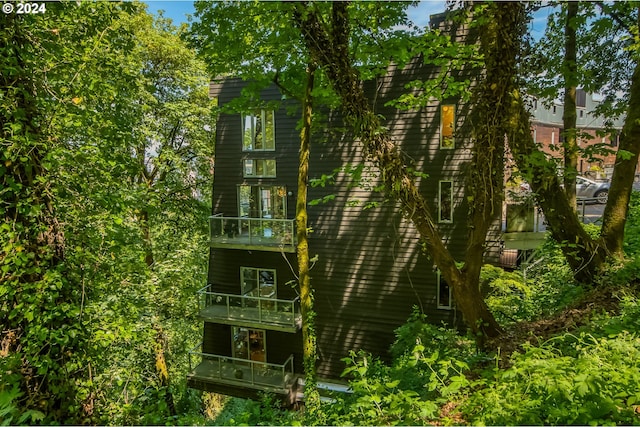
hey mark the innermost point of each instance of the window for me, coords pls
(249, 344)
(257, 201)
(259, 168)
(258, 131)
(447, 126)
(445, 201)
(581, 98)
(443, 291)
(258, 282)
(615, 139)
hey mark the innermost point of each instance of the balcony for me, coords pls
(216, 369)
(523, 226)
(249, 311)
(266, 234)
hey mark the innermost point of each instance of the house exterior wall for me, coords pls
(547, 128)
(371, 269)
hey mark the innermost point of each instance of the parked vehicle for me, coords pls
(587, 189)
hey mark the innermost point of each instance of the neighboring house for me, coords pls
(547, 127)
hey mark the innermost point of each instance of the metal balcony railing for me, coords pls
(214, 367)
(270, 313)
(261, 233)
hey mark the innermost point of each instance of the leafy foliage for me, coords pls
(108, 164)
(540, 289)
(632, 226)
(429, 369)
(588, 378)
(267, 411)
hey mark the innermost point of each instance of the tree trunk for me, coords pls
(312, 398)
(331, 51)
(615, 213)
(499, 45)
(143, 219)
(161, 368)
(36, 332)
(584, 255)
(569, 116)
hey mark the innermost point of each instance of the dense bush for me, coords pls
(429, 369)
(587, 378)
(632, 227)
(541, 289)
(264, 412)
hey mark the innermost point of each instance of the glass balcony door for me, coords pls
(249, 344)
(267, 202)
(258, 282)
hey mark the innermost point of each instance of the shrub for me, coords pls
(446, 341)
(267, 411)
(632, 226)
(570, 379)
(547, 288)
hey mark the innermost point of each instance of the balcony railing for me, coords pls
(250, 311)
(225, 369)
(259, 233)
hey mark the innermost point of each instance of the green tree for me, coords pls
(44, 339)
(136, 180)
(105, 115)
(588, 256)
(374, 42)
(328, 41)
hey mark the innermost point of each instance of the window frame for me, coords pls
(257, 271)
(255, 168)
(263, 116)
(440, 219)
(439, 281)
(451, 146)
(235, 331)
(259, 207)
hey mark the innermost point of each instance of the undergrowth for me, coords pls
(589, 375)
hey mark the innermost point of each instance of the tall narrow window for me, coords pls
(581, 98)
(259, 168)
(257, 201)
(447, 126)
(443, 293)
(258, 131)
(445, 201)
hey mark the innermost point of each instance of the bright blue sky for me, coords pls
(177, 10)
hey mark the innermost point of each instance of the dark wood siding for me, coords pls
(371, 267)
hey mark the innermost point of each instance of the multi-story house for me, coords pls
(370, 268)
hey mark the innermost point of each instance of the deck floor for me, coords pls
(252, 315)
(246, 241)
(235, 373)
